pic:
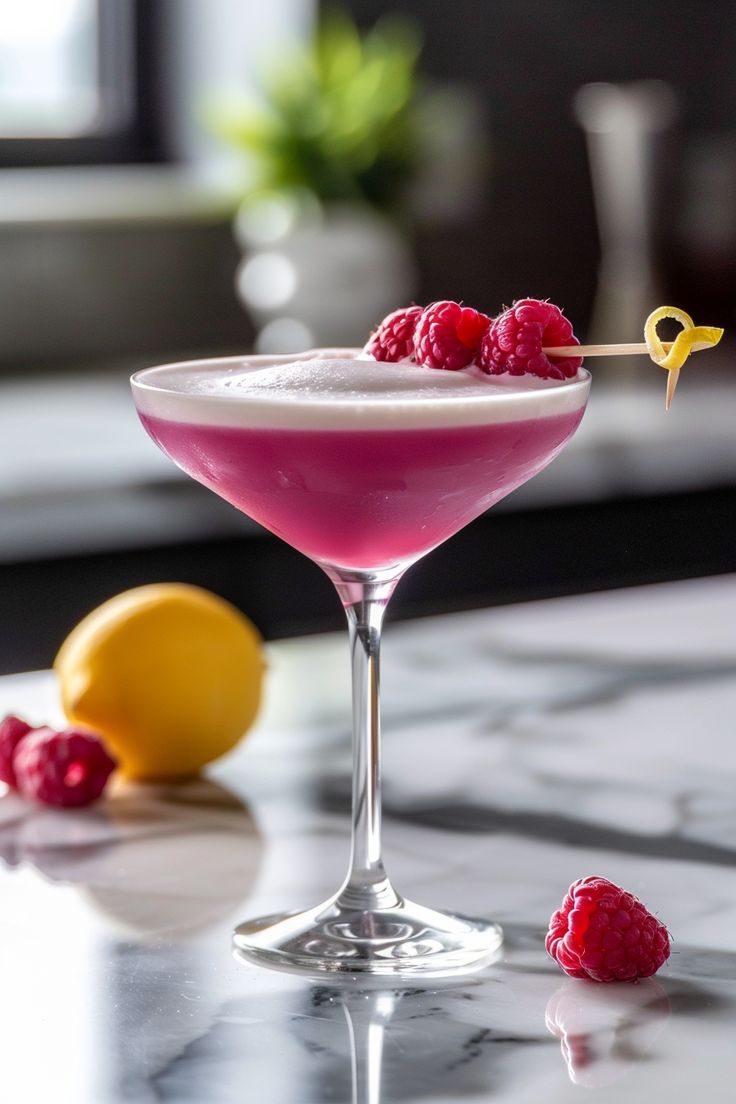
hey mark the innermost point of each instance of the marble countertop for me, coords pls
(524, 747)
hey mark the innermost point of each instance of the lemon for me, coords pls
(169, 674)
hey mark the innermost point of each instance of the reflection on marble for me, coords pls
(149, 858)
(604, 1030)
(524, 747)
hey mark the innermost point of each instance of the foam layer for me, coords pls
(326, 391)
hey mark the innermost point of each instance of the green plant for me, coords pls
(338, 115)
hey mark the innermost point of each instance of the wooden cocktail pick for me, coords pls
(667, 354)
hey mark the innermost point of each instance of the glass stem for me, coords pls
(365, 598)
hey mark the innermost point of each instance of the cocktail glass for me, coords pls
(364, 486)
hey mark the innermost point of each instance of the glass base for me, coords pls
(403, 940)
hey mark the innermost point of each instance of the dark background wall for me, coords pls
(526, 59)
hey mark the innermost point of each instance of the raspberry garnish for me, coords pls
(62, 768)
(516, 338)
(448, 335)
(603, 933)
(12, 731)
(394, 338)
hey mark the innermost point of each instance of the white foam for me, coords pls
(332, 391)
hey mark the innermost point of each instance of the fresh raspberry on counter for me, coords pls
(603, 933)
(12, 730)
(449, 335)
(515, 340)
(394, 338)
(62, 768)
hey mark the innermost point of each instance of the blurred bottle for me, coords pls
(622, 124)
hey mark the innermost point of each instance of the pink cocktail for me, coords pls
(363, 467)
(367, 498)
(370, 482)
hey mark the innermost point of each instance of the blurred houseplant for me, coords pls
(334, 147)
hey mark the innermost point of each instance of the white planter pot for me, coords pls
(320, 277)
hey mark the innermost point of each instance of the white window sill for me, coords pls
(112, 194)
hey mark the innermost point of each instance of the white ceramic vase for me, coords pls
(319, 275)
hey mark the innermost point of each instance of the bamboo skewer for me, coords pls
(673, 375)
(633, 349)
(628, 349)
(657, 350)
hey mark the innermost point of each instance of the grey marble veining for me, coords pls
(524, 747)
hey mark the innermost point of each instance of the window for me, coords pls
(77, 82)
(49, 69)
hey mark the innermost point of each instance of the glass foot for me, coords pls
(406, 939)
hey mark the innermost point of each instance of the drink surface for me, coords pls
(357, 464)
(334, 392)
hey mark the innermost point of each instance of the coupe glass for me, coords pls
(364, 496)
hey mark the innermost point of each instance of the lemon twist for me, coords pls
(688, 339)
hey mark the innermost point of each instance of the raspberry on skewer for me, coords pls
(448, 335)
(393, 339)
(517, 339)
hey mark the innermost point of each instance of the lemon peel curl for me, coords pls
(688, 339)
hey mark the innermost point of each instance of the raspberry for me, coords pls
(394, 338)
(516, 338)
(448, 335)
(12, 731)
(62, 768)
(606, 934)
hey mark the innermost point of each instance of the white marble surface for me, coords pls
(524, 747)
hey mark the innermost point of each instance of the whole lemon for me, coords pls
(169, 674)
